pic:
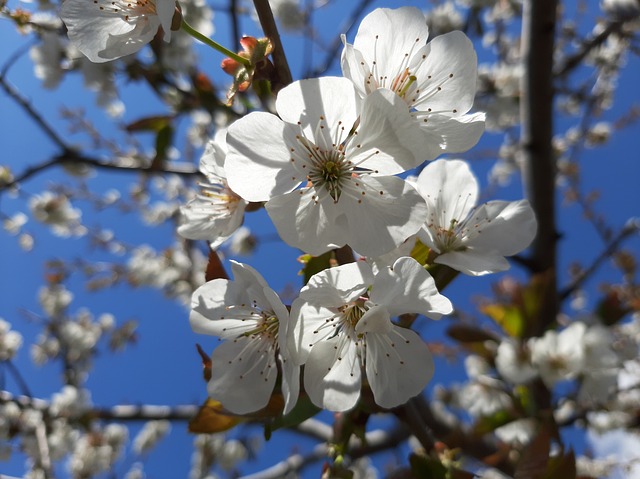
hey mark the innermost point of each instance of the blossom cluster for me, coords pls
(326, 169)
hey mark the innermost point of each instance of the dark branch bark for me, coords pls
(268, 23)
(539, 168)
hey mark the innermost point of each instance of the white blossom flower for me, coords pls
(57, 212)
(559, 355)
(106, 29)
(150, 434)
(70, 401)
(10, 341)
(437, 81)
(513, 362)
(13, 224)
(216, 212)
(518, 432)
(252, 320)
(349, 196)
(54, 299)
(338, 331)
(472, 241)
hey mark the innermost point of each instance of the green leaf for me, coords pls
(490, 423)
(315, 264)
(466, 333)
(427, 467)
(562, 466)
(303, 410)
(149, 123)
(508, 317)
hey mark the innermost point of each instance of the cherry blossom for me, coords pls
(105, 30)
(344, 160)
(471, 240)
(252, 320)
(216, 212)
(342, 324)
(559, 355)
(436, 80)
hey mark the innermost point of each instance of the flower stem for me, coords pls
(216, 46)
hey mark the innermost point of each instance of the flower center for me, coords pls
(266, 328)
(329, 169)
(351, 313)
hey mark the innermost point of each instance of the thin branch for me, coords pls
(334, 48)
(117, 413)
(375, 441)
(632, 227)
(74, 158)
(235, 25)
(573, 61)
(35, 116)
(268, 23)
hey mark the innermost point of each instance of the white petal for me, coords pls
(210, 219)
(307, 101)
(380, 215)
(408, 288)
(258, 162)
(452, 188)
(310, 324)
(512, 227)
(398, 365)
(451, 66)
(375, 320)
(243, 375)
(210, 314)
(290, 383)
(332, 374)
(388, 37)
(215, 153)
(354, 67)
(166, 9)
(389, 138)
(334, 287)
(442, 134)
(474, 262)
(303, 223)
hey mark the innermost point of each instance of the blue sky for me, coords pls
(163, 367)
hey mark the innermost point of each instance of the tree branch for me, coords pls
(268, 23)
(632, 227)
(539, 168)
(333, 50)
(72, 157)
(573, 61)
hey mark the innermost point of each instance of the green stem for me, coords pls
(216, 46)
